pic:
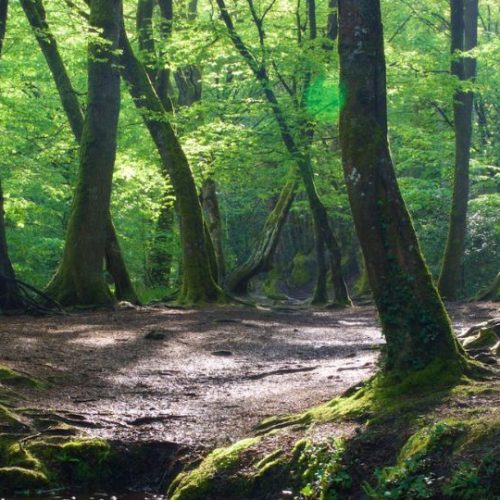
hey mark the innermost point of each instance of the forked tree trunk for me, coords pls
(263, 252)
(35, 13)
(10, 295)
(79, 279)
(464, 17)
(198, 283)
(210, 205)
(414, 321)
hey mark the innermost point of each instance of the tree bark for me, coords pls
(198, 283)
(79, 280)
(414, 321)
(35, 13)
(464, 17)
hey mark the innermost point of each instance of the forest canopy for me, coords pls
(229, 135)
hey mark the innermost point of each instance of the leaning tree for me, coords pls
(415, 324)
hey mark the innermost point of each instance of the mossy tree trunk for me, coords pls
(263, 251)
(198, 285)
(464, 19)
(10, 295)
(79, 280)
(210, 204)
(414, 321)
(35, 13)
(322, 228)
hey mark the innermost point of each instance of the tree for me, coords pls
(464, 18)
(79, 279)
(198, 280)
(35, 13)
(414, 322)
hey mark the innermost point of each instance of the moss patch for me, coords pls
(11, 377)
(18, 479)
(200, 483)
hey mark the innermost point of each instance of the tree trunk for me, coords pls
(10, 296)
(79, 279)
(262, 255)
(124, 290)
(188, 80)
(161, 257)
(414, 321)
(4, 7)
(35, 13)
(153, 61)
(464, 17)
(198, 283)
(210, 204)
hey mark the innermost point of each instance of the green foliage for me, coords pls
(232, 136)
(324, 477)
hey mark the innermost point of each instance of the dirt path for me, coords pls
(202, 378)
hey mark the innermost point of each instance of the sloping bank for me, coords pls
(40, 452)
(433, 436)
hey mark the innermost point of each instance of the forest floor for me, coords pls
(197, 378)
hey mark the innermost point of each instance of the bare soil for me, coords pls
(197, 378)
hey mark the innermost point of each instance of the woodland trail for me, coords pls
(197, 378)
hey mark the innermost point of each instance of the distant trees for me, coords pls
(297, 146)
(414, 321)
(79, 279)
(464, 19)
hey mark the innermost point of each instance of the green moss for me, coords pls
(198, 484)
(486, 338)
(10, 421)
(20, 479)
(11, 377)
(440, 446)
(80, 461)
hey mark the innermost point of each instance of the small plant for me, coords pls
(324, 475)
